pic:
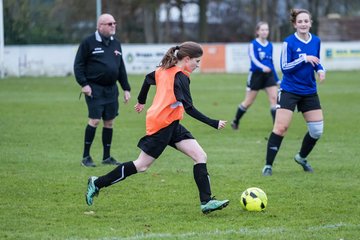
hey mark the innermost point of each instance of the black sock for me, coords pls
(307, 145)
(89, 138)
(239, 113)
(106, 140)
(202, 180)
(273, 147)
(273, 113)
(118, 174)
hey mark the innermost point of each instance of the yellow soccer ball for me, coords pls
(254, 199)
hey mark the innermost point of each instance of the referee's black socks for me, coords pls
(89, 138)
(107, 134)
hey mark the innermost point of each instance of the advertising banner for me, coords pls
(143, 58)
(213, 59)
(58, 60)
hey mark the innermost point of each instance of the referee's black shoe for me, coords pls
(110, 161)
(87, 162)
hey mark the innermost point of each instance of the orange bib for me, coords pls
(165, 109)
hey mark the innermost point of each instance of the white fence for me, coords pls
(57, 60)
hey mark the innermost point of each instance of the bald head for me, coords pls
(106, 25)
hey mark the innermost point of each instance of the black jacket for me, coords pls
(99, 61)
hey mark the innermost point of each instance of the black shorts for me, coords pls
(260, 80)
(287, 100)
(104, 103)
(99, 110)
(156, 143)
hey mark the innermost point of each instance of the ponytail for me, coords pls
(170, 59)
(177, 53)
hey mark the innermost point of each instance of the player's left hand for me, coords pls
(266, 69)
(222, 124)
(321, 76)
(127, 96)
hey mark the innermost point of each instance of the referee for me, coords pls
(98, 65)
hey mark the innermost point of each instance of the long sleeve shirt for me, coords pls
(99, 60)
(182, 94)
(298, 74)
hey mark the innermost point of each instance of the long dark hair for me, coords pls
(177, 53)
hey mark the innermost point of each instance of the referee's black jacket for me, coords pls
(99, 62)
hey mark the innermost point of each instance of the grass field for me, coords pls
(42, 189)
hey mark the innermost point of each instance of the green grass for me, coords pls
(42, 189)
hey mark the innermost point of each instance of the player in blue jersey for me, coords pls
(300, 58)
(262, 73)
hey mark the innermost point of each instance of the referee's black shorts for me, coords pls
(156, 143)
(105, 111)
(287, 100)
(104, 103)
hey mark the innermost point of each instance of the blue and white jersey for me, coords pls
(260, 55)
(298, 75)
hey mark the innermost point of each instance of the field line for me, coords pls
(219, 233)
